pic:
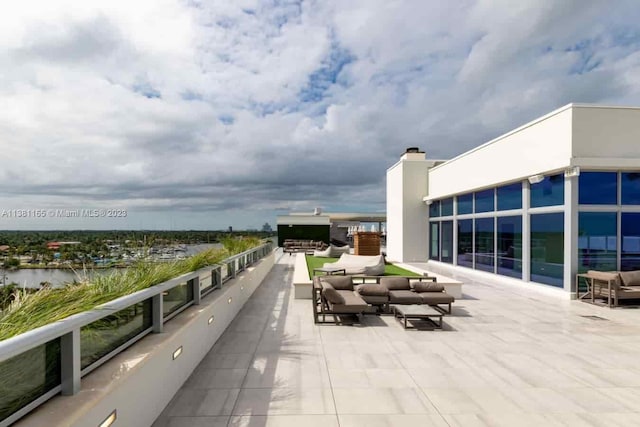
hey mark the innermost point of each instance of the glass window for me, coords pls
(549, 192)
(447, 207)
(434, 209)
(630, 256)
(446, 251)
(434, 236)
(630, 188)
(510, 246)
(484, 244)
(465, 243)
(547, 248)
(465, 204)
(598, 188)
(510, 197)
(597, 244)
(484, 201)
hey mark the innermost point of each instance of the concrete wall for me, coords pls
(407, 214)
(142, 380)
(606, 136)
(540, 146)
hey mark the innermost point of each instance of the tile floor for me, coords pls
(507, 356)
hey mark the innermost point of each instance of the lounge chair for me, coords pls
(358, 264)
(614, 286)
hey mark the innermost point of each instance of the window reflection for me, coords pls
(597, 243)
(510, 246)
(630, 256)
(547, 248)
(465, 243)
(598, 188)
(484, 251)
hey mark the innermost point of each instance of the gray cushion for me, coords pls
(395, 283)
(332, 295)
(427, 287)
(404, 297)
(630, 278)
(375, 299)
(343, 283)
(372, 289)
(433, 298)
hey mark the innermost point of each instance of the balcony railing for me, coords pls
(41, 363)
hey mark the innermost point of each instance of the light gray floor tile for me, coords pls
(284, 401)
(382, 420)
(382, 401)
(197, 402)
(284, 421)
(510, 356)
(204, 378)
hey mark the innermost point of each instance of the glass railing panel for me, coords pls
(176, 298)
(29, 375)
(99, 338)
(206, 281)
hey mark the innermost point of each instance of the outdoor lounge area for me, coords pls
(506, 356)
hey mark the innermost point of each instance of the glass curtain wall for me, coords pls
(547, 248)
(465, 242)
(446, 249)
(597, 242)
(509, 255)
(484, 244)
(434, 247)
(630, 230)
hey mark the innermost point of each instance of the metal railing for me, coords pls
(52, 359)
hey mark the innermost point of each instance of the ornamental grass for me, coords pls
(32, 310)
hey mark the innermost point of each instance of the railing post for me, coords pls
(195, 285)
(156, 313)
(218, 275)
(70, 357)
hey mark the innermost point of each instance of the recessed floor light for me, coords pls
(109, 420)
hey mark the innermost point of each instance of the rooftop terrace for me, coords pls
(507, 356)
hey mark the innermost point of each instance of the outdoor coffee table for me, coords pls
(330, 270)
(416, 311)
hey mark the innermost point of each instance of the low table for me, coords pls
(416, 311)
(330, 270)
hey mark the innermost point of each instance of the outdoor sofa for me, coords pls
(306, 246)
(357, 295)
(613, 286)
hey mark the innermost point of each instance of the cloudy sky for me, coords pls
(209, 114)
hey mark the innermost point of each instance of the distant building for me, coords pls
(56, 245)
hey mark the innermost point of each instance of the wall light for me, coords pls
(571, 172)
(535, 179)
(109, 420)
(177, 353)
(210, 321)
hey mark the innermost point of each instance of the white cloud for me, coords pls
(211, 108)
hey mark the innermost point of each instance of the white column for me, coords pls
(526, 231)
(570, 233)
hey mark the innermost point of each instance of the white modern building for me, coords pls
(552, 198)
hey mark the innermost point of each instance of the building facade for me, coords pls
(555, 197)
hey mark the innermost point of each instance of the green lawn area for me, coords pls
(389, 269)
